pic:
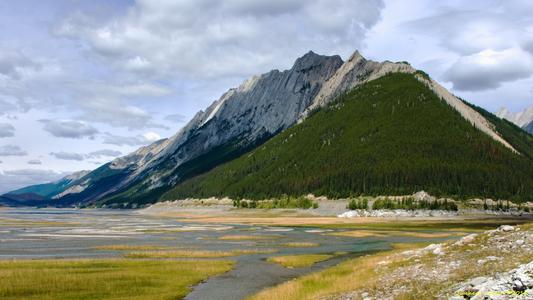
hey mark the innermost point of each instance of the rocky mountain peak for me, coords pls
(311, 60)
(521, 118)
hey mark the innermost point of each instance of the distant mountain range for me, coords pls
(523, 119)
(325, 126)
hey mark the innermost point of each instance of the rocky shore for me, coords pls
(496, 264)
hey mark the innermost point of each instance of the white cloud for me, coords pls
(137, 140)
(6, 130)
(209, 38)
(116, 113)
(488, 69)
(12, 150)
(151, 136)
(69, 129)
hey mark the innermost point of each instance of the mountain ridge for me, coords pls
(390, 136)
(242, 118)
(523, 119)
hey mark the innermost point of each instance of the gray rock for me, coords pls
(506, 228)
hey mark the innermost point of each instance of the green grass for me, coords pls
(110, 279)
(131, 247)
(465, 225)
(390, 136)
(238, 237)
(195, 253)
(300, 244)
(351, 274)
(299, 261)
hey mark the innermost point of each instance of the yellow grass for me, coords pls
(300, 244)
(383, 271)
(382, 233)
(111, 279)
(196, 253)
(247, 237)
(298, 261)
(132, 247)
(31, 223)
(347, 276)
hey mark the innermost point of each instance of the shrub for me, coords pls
(357, 204)
(411, 204)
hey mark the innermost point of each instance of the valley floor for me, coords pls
(475, 266)
(206, 251)
(474, 258)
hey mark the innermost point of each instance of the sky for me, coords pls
(82, 82)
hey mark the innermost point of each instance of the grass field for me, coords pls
(384, 272)
(132, 247)
(195, 253)
(111, 279)
(247, 237)
(349, 275)
(300, 244)
(298, 261)
(383, 233)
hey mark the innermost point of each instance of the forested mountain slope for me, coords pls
(392, 135)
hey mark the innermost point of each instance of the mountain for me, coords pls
(36, 194)
(50, 189)
(390, 136)
(265, 107)
(523, 119)
(528, 127)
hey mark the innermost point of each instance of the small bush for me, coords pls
(283, 202)
(357, 204)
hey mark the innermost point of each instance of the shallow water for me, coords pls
(71, 233)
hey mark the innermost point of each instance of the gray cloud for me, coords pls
(103, 152)
(210, 38)
(482, 35)
(178, 118)
(12, 150)
(137, 140)
(80, 156)
(14, 64)
(528, 46)
(6, 130)
(14, 179)
(489, 69)
(68, 156)
(69, 128)
(34, 162)
(116, 113)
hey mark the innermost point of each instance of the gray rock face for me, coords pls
(528, 127)
(243, 117)
(261, 107)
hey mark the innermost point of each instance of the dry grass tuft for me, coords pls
(298, 261)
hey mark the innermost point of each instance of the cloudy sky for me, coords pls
(82, 82)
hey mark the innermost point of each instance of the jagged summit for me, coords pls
(523, 119)
(243, 118)
(311, 59)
